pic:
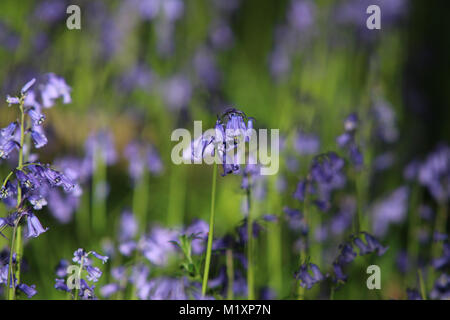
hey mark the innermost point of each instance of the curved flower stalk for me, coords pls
(233, 129)
(82, 273)
(24, 188)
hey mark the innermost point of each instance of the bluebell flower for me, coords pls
(157, 246)
(86, 292)
(7, 148)
(296, 220)
(441, 288)
(39, 139)
(12, 100)
(391, 209)
(372, 245)
(61, 268)
(27, 86)
(60, 284)
(306, 144)
(54, 87)
(109, 289)
(443, 261)
(128, 226)
(339, 274)
(94, 273)
(34, 226)
(30, 291)
(346, 255)
(434, 173)
(306, 278)
(9, 131)
(199, 229)
(8, 190)
(37, 117)
(348, 142)
(413, 294)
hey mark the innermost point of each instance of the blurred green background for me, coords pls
(295, 71)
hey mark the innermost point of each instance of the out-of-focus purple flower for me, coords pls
(128, 226)
(413, 294)
(177, 92)
(51, 10)
(434, 173)
(154, 162)
(327, 175)
(206, 68)
(383, 161)
(61, 268)
(301, 14)
(391, 209)
(221, 36)
(199, 228)
(443, 261)
(296, 220)
(109, 289)
(385, 122)
(101, 143)
(52, 88)
(306, 144)
(441, 289)
(157, 246)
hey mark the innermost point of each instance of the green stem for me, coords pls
(230, 274)
(422, 285)
(211, 232)
(250, 269)
(16, 243)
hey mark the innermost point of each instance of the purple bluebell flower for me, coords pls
(157, 246)
(339, 274)
(94, 273)
(434, 173)
(61, 268)
(9, 131)
(443, 261)
(306, 144)
(177, 92)
(12, 100)
(154, 162)
(54, 87)
(102, 144)
(128, 226)
(199, 229)
(37, 117)
(38, 137)
(27, 86)
(60, 284)
(103, 259)
(109, 289)
(391, 209)
(7, 148)
(441, 288)
(306, 278)
(34, 226)
(373, 245)
(30, 291)
(413, 294)
(301, 14)
(296, 220)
